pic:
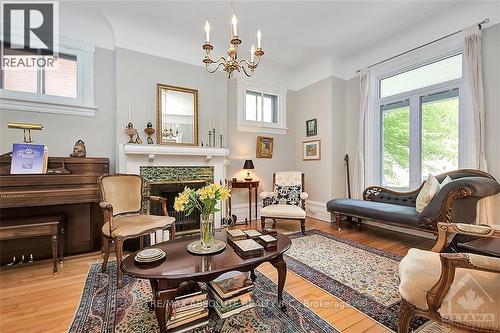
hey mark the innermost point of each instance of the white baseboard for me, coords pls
(241, 211)
(317, 210)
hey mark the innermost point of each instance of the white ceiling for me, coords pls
(295, 33)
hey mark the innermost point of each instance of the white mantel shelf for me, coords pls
(152, 150)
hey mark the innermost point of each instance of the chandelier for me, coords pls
(232, 63)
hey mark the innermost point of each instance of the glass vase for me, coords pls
(207, 231)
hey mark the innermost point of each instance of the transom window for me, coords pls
(261, 107)
(419, 122)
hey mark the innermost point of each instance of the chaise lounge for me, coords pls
(383, 205)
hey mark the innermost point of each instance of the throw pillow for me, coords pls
(444, 182)
(287, 195)
(428, 191)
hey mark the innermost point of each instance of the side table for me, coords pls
(250, 185)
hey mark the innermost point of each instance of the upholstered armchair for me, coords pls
(456, 289)
(286, 201)
(122, 205)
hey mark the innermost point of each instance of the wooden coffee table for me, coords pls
(166, 275)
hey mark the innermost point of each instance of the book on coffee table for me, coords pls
(248, 248)
(253, 234)
(268, 241)
(235, 235)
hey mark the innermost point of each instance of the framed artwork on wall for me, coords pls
(311, 150)
(264, 147)
(312, 127)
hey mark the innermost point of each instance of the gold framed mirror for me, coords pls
(177, 115)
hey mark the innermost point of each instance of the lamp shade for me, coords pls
(248, 165)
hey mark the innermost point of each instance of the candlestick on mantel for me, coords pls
(149, 112)
(129, 115)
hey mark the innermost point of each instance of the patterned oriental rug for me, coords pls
(105, 309)
(364, 277)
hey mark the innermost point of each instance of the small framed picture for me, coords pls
(312, 127)
(311, 150)
(264, 147)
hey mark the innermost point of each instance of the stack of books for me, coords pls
(189, 308)
(248, 248)
(253, 234)
(268, 242)
(232, 294)
(235, 235)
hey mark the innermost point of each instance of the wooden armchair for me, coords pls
(455, 289)
(122, 205)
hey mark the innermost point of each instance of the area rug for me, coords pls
(364, 277)
(104, 308)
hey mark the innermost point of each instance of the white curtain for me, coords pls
(474, 97)
(358, 179)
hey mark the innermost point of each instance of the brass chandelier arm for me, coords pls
(221, 61)
(251, 66)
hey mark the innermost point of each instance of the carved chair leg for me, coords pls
(263, 222)
(172, 231)
(337, 219)
(303, 226)
(119, 257)
(406, 314)
(105, 247)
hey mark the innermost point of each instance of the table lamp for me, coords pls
(248, 166)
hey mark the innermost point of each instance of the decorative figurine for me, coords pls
(138, 140)
(149, 131)
(79, 149)
(130, 131)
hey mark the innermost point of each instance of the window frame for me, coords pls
(263, 88)
(82, 105)
(415, 159)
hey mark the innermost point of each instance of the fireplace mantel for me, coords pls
(152, 150)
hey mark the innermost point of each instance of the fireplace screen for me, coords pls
(184, 224)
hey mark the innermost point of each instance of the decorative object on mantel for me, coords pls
(264, 147)
(149, 130)
(130, 131)
(248, 166)
(79, 149)
(311, 150)
(27, 127)
(138, 140)
(206, 201)
(312, 127)
(231, 64)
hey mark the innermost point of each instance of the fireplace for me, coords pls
(184, 224)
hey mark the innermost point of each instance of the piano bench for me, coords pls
(37, 226)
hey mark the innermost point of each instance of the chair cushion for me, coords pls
(287, 194)
(472, 295)
(283, 211)
(378, 211)
(132, 225)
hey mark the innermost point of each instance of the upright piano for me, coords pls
(71, 192)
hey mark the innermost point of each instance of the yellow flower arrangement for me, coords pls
(204, 199)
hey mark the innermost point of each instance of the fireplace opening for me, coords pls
(184, 224)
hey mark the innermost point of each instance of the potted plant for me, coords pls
(205, 200)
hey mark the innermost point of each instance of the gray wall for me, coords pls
(491, 81)
(242, 146)
(136, 77)
(61, 131)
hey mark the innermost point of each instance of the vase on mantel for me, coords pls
(207, 230)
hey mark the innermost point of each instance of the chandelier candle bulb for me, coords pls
(207, 32)
(234, 21)
(259, 38)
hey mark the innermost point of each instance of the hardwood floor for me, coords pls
(33, 300)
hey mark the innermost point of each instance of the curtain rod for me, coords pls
(480, 24)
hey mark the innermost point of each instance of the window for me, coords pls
(67, 88)
(261, 108)
(419, 122)
(60, 81)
